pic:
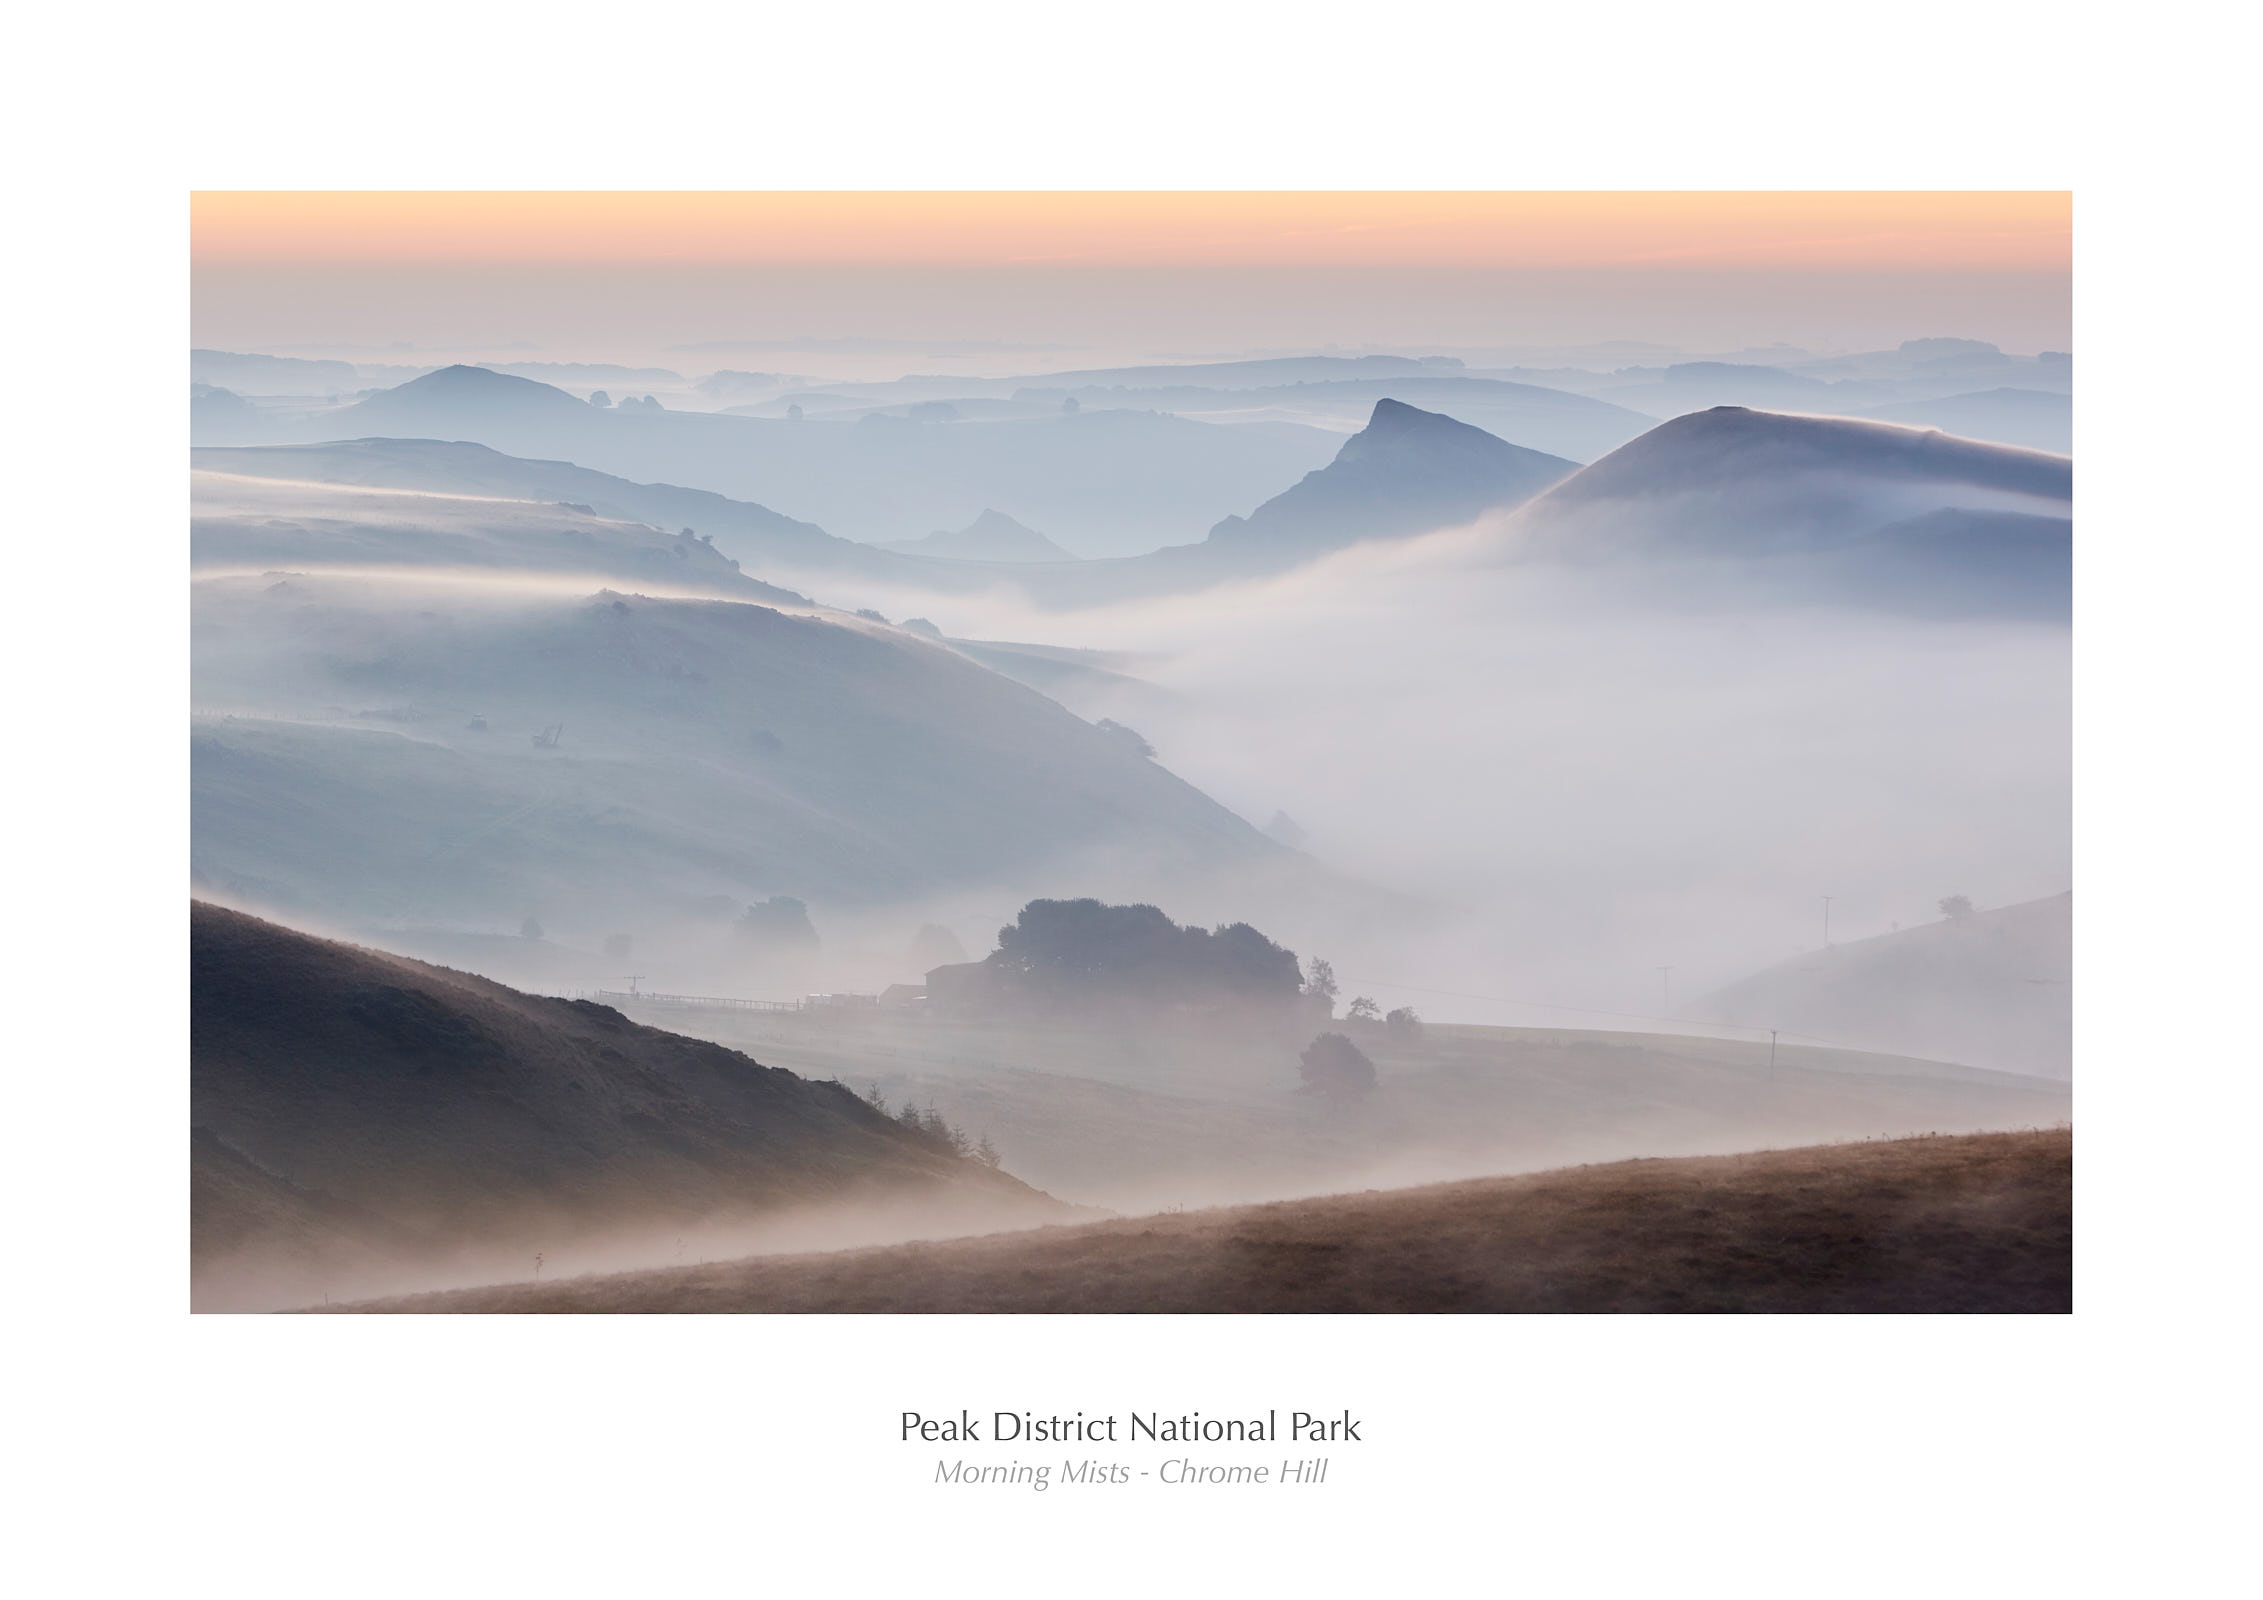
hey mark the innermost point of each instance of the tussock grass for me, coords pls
(1968, 1223)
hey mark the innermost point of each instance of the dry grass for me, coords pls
(1976, 1222)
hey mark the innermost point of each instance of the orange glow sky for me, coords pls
(1827, 232)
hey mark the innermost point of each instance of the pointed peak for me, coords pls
(994, 521)
(1394, 428)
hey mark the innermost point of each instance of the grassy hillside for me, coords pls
(365, 750)
(754, 533)
(1133, 1118)
(1981, 1223)
(260, 523)
(360, 1117)
(1994, 988)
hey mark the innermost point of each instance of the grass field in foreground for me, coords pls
(1974, 1222)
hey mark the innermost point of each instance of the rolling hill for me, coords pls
(1407, 472)
(258, 522)
(1102, 481)
(1574, 426)
(1992, 988)
(1982, 1223)
(2034, 419)
(1833, 505)
(756, 536)
(360, 1118)
(366, 751)
(993, 536)
(1172, 1114)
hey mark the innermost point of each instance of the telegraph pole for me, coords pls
(1827, 899)
(1665, 991)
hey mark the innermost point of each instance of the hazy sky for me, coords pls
(1006, 281)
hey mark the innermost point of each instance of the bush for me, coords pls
(1333, 1067)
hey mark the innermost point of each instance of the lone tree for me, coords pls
(1334, 1067)
(780, 922)
(1403, 1023)
(1363, 1009)
(1956, 907)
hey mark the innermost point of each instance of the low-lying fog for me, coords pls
(1599, 780)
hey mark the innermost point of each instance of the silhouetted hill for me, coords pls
(993, 536)
(222, 414)
(1102, 479)
(2034, 419)
(461, 399)
(1251, 374)
(1731, 447)
(1575, 426)
(1990, 989)
(359, 1116)
(1406, 472)
(272, 375)
(1832, 505)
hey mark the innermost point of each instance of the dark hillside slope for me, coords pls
(355, 1113)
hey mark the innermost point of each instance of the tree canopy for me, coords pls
(1069, 950)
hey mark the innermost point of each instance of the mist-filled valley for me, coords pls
(783, 812)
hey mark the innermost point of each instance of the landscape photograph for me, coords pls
(1130, 751)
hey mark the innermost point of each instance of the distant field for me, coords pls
(1970, 1223)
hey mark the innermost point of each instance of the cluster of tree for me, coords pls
(1401, 1024)
(1070, 952)
(930, 1125)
